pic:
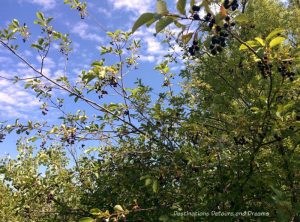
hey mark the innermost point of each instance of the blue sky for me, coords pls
(87, 35)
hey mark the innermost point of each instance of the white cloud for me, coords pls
(136, 6)
(147, 58)
(46, 4)
(26, 53)
(5, 59)
(48, 62)
(154, 47)
(104, 11)
(82, 30)
(14, 100)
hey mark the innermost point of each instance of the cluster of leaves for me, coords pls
(227, 141)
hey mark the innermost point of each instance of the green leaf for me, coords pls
(249, 43)
(149, 23)
(276, 41)
(179, 25)
(96, 212)
(33, 139)
(148, 181)
(192, 2)
(37, 46)
(16, 23)
(163, 218)
(181, 6)
(242, 18)
(186, 38)
(40, 16)
(86, 219)
(274, 33)
(118, 208)
(206, 4)
(155, 186)
(163, 23)
(261, 41)
(161, 7)
(143, 19)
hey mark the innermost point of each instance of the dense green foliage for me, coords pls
(227, 142)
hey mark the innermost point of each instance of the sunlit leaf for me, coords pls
(40, 16)
(276, 41)
(96, 212)
(155, 186)
(148, 181)
(248, 43)
(86, 219)
(274, 33)
(260, 40)
(241, 18)
(118, 208)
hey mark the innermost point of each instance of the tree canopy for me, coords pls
(224, 147)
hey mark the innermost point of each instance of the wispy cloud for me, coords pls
(5, 59)
(83, 31)
(104, 11)
(147, 58)
(152, 48)
(45, 4)
(136, 6)
(14, 100)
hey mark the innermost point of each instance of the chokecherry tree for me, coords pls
(228, 141)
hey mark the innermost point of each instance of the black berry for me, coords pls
(196, 17)
(192, 51)
(196, 8)
(215, 40)
(218, 28)
(234, 7)
(224, 34)
(219, 48)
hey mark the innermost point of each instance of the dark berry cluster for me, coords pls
(45, 111)
(2, 137)
(283, 69)
(240, 141)
(82, 11)
(264, 69)
(218, 41)
(220, 32)
(231, 4)
(228, 23)
(278, 137)
(111, 80)
(194, 48)
(195, 10)
(210, 20)
(69, 139)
